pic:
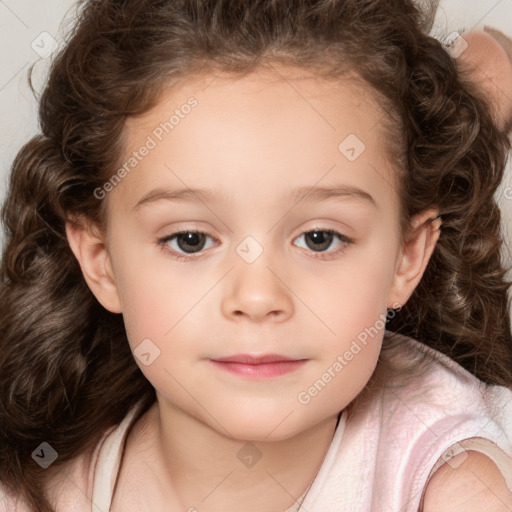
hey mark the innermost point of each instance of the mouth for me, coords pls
(258, 367)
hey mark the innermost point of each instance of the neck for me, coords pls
(210, 471)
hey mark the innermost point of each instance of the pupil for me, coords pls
(321, 238)
(191, 241)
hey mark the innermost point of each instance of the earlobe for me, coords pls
(414, 256)
(91, 252)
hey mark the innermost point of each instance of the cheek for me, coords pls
(164, 311)
(339, 377)
(154, 293)
(345, 365)
(356, 313)
(147, 310)
(158, 319)
(355, 294)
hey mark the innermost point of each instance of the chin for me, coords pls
(264, 427)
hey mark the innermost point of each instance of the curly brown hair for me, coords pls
(59, 348)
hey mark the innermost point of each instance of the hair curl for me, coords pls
(59, 348)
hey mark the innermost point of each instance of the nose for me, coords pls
(256, 292)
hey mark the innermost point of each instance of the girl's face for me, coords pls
(266, 167)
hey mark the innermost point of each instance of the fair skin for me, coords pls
(475, 484)
(489, 61)
(250, 140)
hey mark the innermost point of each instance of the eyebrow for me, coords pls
(309, 194)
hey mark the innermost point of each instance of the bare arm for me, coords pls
(476, 485)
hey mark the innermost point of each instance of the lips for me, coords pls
(258, 367)
(248, 359)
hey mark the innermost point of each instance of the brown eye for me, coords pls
(185, 242)
(190, 241)
(319, 240)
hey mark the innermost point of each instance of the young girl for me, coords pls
(252, 263)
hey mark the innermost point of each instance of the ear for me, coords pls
(414, 256)
(89, 248)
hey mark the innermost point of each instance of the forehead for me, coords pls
(266, 88)
(274, 124)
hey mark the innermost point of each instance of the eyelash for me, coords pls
(163, 242)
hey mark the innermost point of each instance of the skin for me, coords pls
(472, 482)
(488, 58)
(251, 139)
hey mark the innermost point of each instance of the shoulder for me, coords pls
(427, 406)
(69, 487)
(473, 484)
(77, 483)
(419, 390)
(423, 375)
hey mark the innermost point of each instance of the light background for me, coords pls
(29, 28)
